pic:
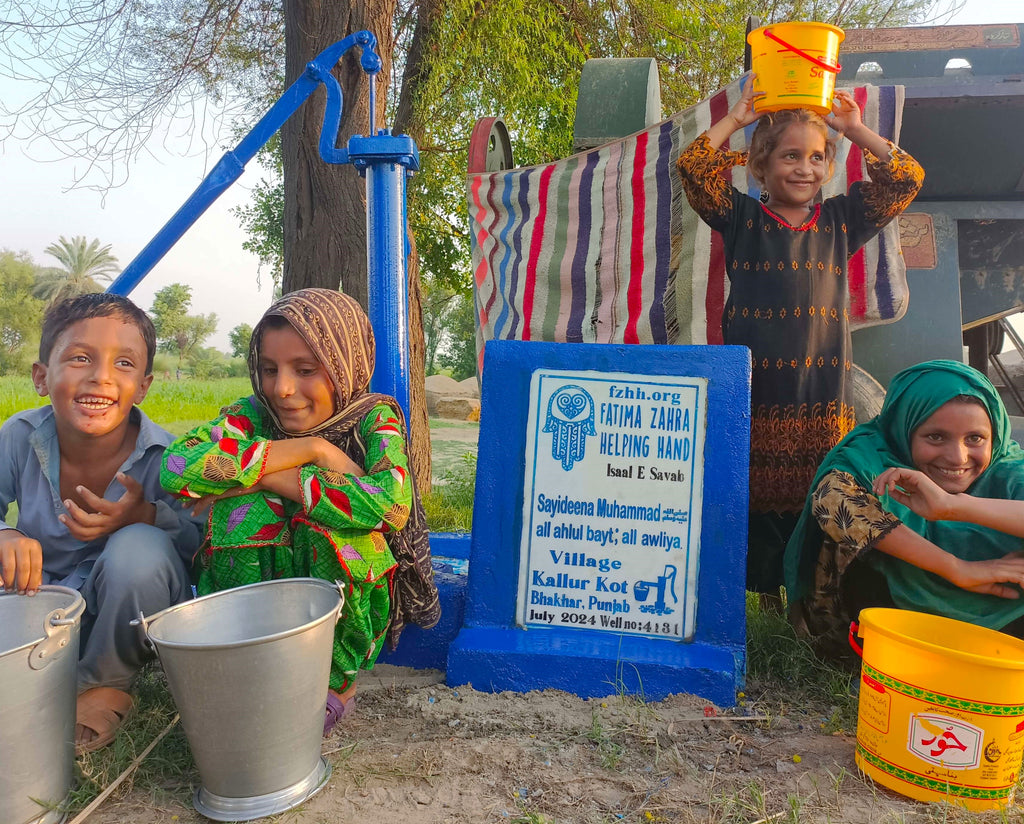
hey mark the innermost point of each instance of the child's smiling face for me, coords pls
(797, 167)
(293, 380)
(953, 446)
(95, 373)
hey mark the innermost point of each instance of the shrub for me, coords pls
(449, 506)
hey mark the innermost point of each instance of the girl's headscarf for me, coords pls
(914, 395)
(338, 332)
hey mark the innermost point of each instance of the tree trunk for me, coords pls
(419, 426)
(325, 205)
(416, 68)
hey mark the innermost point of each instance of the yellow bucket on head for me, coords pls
(796, 66)
(941, 710)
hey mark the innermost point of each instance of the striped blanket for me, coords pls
(603, 247)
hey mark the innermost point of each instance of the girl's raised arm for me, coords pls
(920, 493)
(741, 114)
(846, 120)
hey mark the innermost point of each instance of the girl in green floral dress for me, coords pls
(310, 477)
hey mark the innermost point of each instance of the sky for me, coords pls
(40, 203)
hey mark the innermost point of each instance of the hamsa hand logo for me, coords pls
(570, 419)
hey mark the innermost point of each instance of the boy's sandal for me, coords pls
(102, 710)
(336, 710)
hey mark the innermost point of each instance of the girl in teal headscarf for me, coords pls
(920, 508)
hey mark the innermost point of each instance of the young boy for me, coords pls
(85, 473)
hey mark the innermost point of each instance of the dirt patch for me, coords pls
(461, 432)
(419, 752)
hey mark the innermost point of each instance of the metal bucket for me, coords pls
(248, 669)
(38, 685)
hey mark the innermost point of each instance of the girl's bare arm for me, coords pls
(995, 513)
(987, 577)
(294, 452)
(915, 490)
(846, 119)
(741, 114)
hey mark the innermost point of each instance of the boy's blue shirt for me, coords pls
(30, 476)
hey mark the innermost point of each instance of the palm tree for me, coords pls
(84, 264)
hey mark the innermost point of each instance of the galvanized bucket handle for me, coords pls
(57, 627)
(144, 625)
(341, 586)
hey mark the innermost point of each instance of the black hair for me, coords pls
(267, 322)
(95, 305)
(969, 399)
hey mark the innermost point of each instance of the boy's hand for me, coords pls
(21, 563)
(109, 516)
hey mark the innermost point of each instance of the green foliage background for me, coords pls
(20, 313)
(26, 288)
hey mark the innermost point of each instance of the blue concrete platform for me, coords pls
(530, 560)
(428, 648)
(592, 664)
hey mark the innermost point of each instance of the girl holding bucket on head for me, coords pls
(920, 508)
(310, 477)
(786, 260)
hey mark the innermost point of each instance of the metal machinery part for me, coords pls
(617, 97)
(866, 393)
(490, 147)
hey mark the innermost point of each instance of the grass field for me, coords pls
(178, 406)
(175, 405)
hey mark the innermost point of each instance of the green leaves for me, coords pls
(20, 312)
(83, 264)
(239, 338)
(176, 330)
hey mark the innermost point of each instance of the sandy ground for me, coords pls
(419, 752)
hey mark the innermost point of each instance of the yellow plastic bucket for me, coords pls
(941, 710)
(796, 65)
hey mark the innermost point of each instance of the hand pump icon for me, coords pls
(666, 582)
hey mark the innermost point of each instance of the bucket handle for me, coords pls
(854, 632)
(821, 64)
(57, 627)
(143, 625)
(341, 586)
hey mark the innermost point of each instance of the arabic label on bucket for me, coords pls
(938, 722)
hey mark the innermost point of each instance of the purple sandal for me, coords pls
(336, 710)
